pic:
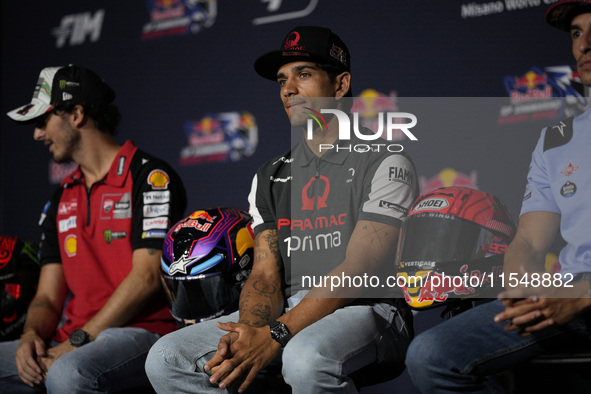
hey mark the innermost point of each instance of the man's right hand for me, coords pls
(30, 348)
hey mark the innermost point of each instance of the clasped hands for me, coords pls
(530, 309)
(241, 354)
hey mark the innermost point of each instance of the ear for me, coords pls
(77, 116)
(342, 83)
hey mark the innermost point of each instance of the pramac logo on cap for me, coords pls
(292, 41)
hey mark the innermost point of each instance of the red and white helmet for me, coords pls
(452, 245)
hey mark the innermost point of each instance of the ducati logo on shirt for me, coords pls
(116, 206)
(108, 205)
(310, 198)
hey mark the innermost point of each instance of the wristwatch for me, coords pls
(79, 337)
(280, 332)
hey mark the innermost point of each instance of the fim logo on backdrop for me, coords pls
(554, 92)
(76, 28)
(225, 136)
(178, 17)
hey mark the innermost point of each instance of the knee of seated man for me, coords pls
(427, 348)
(161, 354)
(303, 360)
(64, 376)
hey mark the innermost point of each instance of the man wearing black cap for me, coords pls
(543, 316)
(102, 238)
(317, 211)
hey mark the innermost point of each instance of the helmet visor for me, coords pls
(201, 298)
(428, 239)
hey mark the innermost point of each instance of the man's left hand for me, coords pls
(536, 308)
(248, 353)
(527, 315)
(53, 354)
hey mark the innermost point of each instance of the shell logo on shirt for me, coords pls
(158, 179)
(71, 245)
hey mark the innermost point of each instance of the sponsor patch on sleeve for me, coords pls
(158, 179)
(156, 197)
(154, 234)
(67, 224)
(155, 223)
(156, 210)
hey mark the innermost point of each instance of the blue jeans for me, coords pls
(112, 362)
(316, 360)
(460, 354)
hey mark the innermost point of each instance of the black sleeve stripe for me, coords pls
(558, 134)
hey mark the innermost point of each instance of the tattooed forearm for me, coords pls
(274, 247)
(261, 311)
(267, 245)
(264, 289)
(257, 315)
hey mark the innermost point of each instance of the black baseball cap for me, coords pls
(561, 14)
(57, 85)
(305, 43)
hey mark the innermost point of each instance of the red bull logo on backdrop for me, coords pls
(369, 104)
(530, 85)
(226, 136)
(177, 17)
(446, 178)
(547, 93)
(58, 171)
